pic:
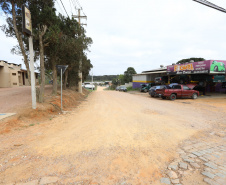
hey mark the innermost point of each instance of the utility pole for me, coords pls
(80, 60)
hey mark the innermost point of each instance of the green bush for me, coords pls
(132, 89)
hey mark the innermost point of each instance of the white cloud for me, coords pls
(147, 33)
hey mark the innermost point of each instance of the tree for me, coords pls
(12, 9)
(189, 60)
(43, 15)
(128, 74)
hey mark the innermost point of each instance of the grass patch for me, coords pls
(31, 125)
(132, 89)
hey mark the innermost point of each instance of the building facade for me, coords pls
(208, 74)
(11, 75)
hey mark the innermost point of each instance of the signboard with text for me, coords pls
(26, 16)
(202, 67)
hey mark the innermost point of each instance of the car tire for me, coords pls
(173, 97)
(145, 90)
(216, 68)
(194, 96)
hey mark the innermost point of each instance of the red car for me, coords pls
(178, 91)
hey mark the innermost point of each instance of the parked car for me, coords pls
(117, 88)
(152, 90)
(90, 86)
(178, 91)
(123, 88)
(161, 80)
(146, 87)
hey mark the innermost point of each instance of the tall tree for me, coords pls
(43, 14)
(128, 74)
(189, 60)
(12, 9)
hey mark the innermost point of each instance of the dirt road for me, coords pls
(12, 99)
(112, 138)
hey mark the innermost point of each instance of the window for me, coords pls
(176, 87)
(14, 74)
(186, 87)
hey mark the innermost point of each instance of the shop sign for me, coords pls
(202, 67)
(26, 18)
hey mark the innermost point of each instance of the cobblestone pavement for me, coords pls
(199, 156)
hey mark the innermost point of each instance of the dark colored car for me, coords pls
(123, 88)
(152, 90)
(146, 87)
(117, 88)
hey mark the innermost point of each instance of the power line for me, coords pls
(71, 7)
(211, 5)
(60, 7)
(64, 8)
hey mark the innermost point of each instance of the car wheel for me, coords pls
(173, 97)
(145, 90)
(194, 96)
(216, 68)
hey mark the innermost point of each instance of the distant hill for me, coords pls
(102, 78)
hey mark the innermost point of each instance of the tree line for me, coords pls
(58, 40)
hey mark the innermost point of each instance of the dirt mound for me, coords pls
(51, 107)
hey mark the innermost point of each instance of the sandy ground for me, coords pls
(12, 99)
(112, 138)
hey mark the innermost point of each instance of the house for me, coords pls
(11, 75)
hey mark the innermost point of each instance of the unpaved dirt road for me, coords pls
(12, 99)
(112, 138)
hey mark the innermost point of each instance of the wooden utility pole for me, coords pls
(80, 60)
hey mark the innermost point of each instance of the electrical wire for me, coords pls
(71, 7)
(60, 7)
(64, 8)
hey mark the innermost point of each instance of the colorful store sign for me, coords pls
(202, 67)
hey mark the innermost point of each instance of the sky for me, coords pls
(143, 34)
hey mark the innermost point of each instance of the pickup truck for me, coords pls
(178, 91)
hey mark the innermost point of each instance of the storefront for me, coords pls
(209, 74)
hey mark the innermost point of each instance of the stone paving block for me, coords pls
(195, 165)
(175, 181)
(210, 170)
(208, 174)
(221, 175)
(197, 154)
(222, 171)
(202, 152)
(173, 167)
(34, 182)
(221, 181)
(48, 180)
(203, 159)
(192, 156)
(165, 180)
(183, 165)
(211, 165)
(187, 160)
(172, 175)
(215, 155)
(210, 181)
